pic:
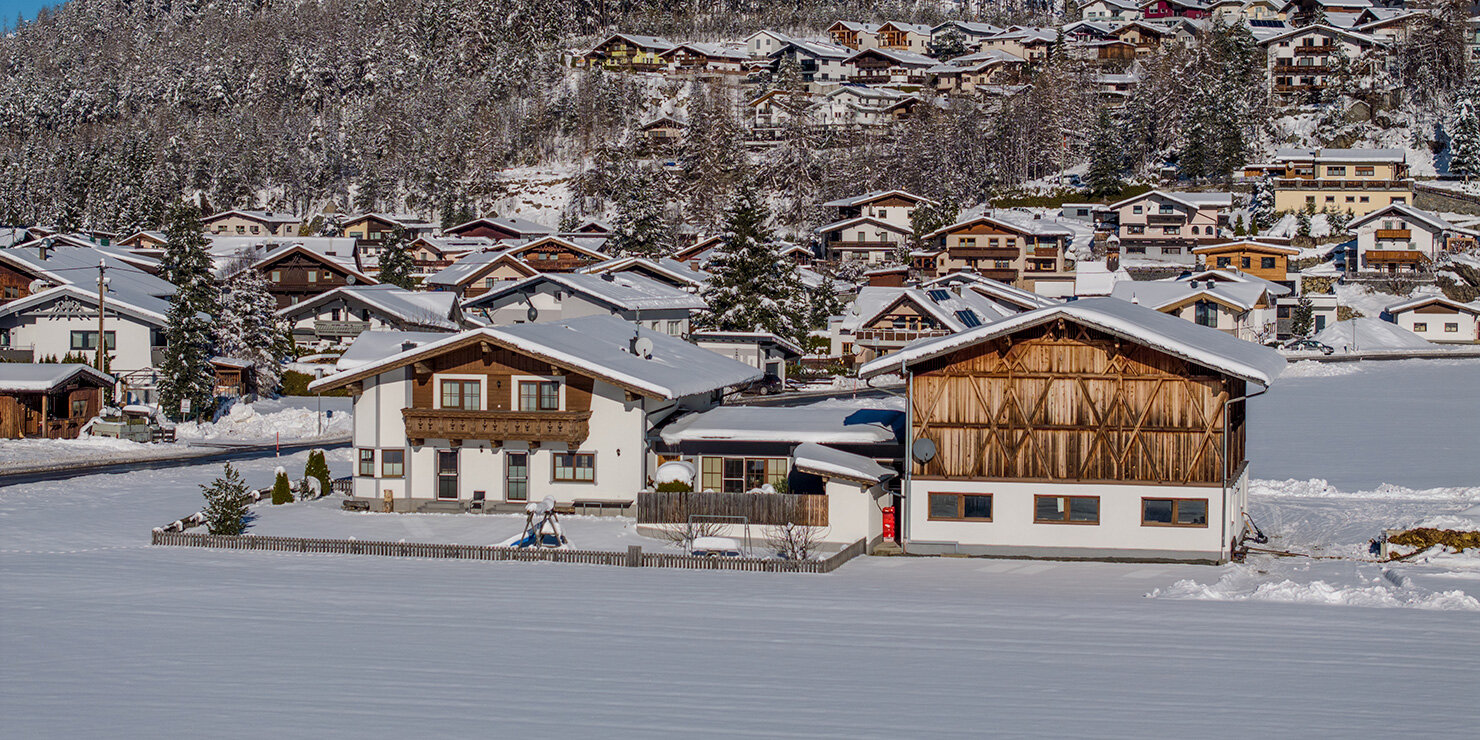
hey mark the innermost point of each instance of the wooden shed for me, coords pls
(1099, 413)
(49, 400)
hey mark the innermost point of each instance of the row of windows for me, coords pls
(565, 467)
(1155, 512)
(467, 395)
(1419, 326)
(1265, 263)
(311, 276)
(741, 474)
(1172, 230)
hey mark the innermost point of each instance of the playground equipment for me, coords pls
(541, 526)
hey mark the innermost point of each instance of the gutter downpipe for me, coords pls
(1223, 520)
(909, 430)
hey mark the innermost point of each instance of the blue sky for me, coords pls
(9, 9)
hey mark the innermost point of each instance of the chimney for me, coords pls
(608, 276)
(1112, 262)
(408, 346)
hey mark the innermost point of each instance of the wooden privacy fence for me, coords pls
(634, 556)
(659, 507)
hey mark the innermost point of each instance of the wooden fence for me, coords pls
(633, 557)
(657, 507)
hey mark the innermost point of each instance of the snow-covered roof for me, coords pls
(469, 265)
(873, 195)
(40, 377)
(1012, 221)
(745, 337)
(968, 28)
(410, 223)
(1340, 155)
(315, 248)
(146, 308)
(510, 224)
(643, 42)
(898, 57)
(627, 291)
(378, 344)
(457, 244)
(995, 289)
(915, 28)
(955, 310)
(718, 51)
(679, 272)
(1189, 199)
(1234, 275)
(988, 56)
(789, 424)
(432, 310)
(810, 457)
(820, 49)
(266, 217)
(855, 26)
(1433, 220)
(1429, 300)
(79, 266)
(599, 346)
(1160, 294)
(1368, 333)
(856, 220)
(1198, 344)
(1096, 279)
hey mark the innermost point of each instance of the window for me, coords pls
(1205, 313)
(516, 476)
(1166, 208)
(575, 466)
(461, 395)
(1135, 229)
(1137, 209)
(968, 506)
(1171, 230)
(1336, 171)
(1244, 262)
(1174, 512)
(89, 340)
(367, 463)
(1266, 263)
(1066, 509)
(1224, 261)
(1364, 199)
(1419, 326)
(488, 282)
(5, 338)
(79, 407)
(539, 395)
(1450, 327)
(277, 276)
(313, 276)
(392, 463)
(967, 241)
(1365, 171)
(446, 474)
(741, 474)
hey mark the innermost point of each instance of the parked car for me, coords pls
(1307, 345)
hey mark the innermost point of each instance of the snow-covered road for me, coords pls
(102, 635)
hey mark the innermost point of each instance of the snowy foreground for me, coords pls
(102, 635)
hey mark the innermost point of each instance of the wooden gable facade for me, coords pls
(1065, 402)
(15, 283)
(297, 274)
(553, 254)
(504, 268)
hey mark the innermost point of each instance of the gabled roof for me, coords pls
(873, 195)
(430, 310)
(599, 346)
(747, 337)
(410, 223)
(818, 49)
(1245, 245)
(642, 42)
(471, 266)
(517, 226)
(1039, 227)
(266, 217)
(1190, 199)
(1234, 275)
(915, 28)
(1433, 220)
(1429, 300)
(40, 377)
(1340, 155)
(854, 26)
(949, 310)
(967, 28)
(1163, 294)
(995, 289)
(717, 51)
(1359, 38)
(856, 220)
(1178, 337)
(840, 424)
(519, 248)
(626, 291)
(456, 244)
(79, 266)
(148, 309)
(698, 248)
(278, 253)
(678, 272)
(896, 57)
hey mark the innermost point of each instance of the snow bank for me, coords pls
(1313, 369)
(1381, 592)
(243, 423)
(1368, 334)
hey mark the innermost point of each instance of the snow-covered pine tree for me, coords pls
(317, 468)
(1261, 207)
(713, 153)
(282, 488)
(1105, 154)
(640, 226)
(248, 328)
(752, 287)
(395, 261)
(928, 217)
(185, 374)
(1464, 141)
(228, 502)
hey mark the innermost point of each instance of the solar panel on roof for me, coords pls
(968, 318)
(939, 295)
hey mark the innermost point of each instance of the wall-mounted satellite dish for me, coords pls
(923, 450)
(643, 347)
(532, 314)
(349, 279)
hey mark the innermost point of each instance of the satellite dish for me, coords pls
(923, 450)
(349, 280)
(853, 308)
(532, 314)
(643, 347)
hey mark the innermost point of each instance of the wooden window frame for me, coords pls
(555, 467)
(462, 393)
(363, 461)
(456, 475)
(1419, 326)
(960, 507)
(385, 464)
(519, 381)
(1207, 511)
(1068, 510)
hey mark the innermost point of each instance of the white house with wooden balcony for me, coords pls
(1303, 61)
(503, 415)
(1168, 225)
(1243, 308)
(863, 239)
(340, 315)
(821, 63)
(890, 67)
(1095, 429)
(1357, 181)
(854, 107)
(1400, 238)
(884, 319)
(251, 223)
(1028, 251)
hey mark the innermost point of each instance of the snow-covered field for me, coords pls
(102, 635)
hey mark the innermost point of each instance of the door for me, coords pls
(516, 476)
(446, 474)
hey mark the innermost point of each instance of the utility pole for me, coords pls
(102, 354)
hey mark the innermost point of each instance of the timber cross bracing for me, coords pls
(1065, 402)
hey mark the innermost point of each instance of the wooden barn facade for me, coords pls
(1095, 429)
(49, 400)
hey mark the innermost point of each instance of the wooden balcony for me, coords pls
(983, 253)
(1404, 234)
(876, 336)
(1045, 251)
(1315, 50)
(1389, 255)
(340, 328)
(1166, 219)
(570, 427)
(1004, 275)
(863, 245)
(808, 510)
(1300, 183)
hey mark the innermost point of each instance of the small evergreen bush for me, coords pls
(282, 490)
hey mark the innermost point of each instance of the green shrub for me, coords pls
(296, 384)
(282, 490)
(674, 486)
(227, 504)
(318, 469)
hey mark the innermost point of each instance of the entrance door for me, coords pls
(516, 476)
(447, 474)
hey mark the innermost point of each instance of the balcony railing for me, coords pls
(1381, 255)
(1404, 234)
(570, 427)
(340, 328)
(1309, 50)
(863, 245)
(986, 253)
(896, 335)
(1328, 184)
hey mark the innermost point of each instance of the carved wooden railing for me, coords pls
(570, 427)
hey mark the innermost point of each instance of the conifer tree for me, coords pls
(248, 328)
(639, 227)
(928, 217)
(395, 261)
(752, 287)
(185, 372)
(282, 488)
(1261, 208)
(1105, 156)
(317, 468)
(228, 504)
(1464, 143)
